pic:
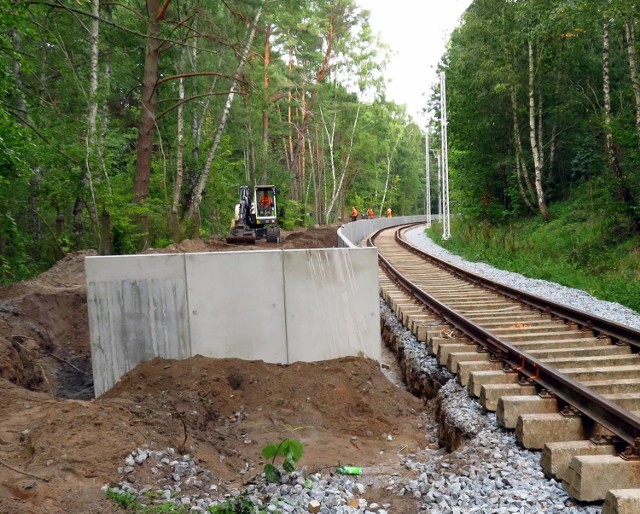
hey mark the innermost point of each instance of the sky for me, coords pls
(417, 32)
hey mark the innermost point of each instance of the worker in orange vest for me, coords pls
(389, 213)
(370, 213)
(354, 214)
(265, 200)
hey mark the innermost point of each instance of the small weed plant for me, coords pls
(130, 503)
(237, 505)
(289, 449)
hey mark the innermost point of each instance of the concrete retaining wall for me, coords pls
(279, 306)
(351, 234)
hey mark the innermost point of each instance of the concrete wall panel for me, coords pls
(236, 305)
(353, 233)
(332, 303)
(137, 311)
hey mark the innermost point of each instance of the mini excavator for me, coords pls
(255, 216)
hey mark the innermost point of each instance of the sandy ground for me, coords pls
(58, 445)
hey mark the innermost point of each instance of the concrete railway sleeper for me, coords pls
(567, 384)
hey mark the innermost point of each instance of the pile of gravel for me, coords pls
(165, 477)
(574, 298)
(492, 474)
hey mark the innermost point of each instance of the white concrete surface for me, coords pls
(332, 303)
(137, 311)
(279, 306)
(351, 234)
(237, 305)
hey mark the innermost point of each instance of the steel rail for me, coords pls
(619, 421)
(617, 332)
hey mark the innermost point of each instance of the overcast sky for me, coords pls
(417, 30)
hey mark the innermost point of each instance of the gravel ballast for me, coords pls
(491, 473)
(574, 298)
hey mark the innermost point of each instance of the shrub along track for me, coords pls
(567, 382)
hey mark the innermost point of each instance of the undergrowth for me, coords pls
(587, 245)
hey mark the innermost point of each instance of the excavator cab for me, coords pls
(256, 216)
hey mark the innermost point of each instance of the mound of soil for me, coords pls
(58, 446)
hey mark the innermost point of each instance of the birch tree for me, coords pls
(196, 195)
(534, 136)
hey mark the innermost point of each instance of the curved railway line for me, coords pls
(567, 382)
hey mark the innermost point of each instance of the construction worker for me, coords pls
(389, 213)
(265, 200)
(354, 214)
(370, 213)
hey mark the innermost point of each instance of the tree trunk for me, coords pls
(307, 107)
(542, 206)
(265, 104)
(147, 115)
(386, 181)
(91, 140)
(177, 185)
(630, 38)
(338, 182)
(196, 197)
(520, 167)
(104, 124)
(622, 191)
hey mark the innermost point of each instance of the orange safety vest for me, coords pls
(265, 201)
(354, 212)
(370, 212)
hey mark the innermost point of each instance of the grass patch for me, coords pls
(130, 503)
(588, 245)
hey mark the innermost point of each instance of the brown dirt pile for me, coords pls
(56, 453)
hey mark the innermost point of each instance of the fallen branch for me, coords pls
(23, 472)
(44, 375)
(66, 362)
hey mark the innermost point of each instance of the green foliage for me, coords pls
(294, 214)
(237, 505)
(588, 245)
(127, 501)
(289, 449)
(131, 503)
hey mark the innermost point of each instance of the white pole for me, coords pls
(439, 186)
(427, 180)
(446, 221)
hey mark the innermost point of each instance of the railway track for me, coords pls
(567, 382)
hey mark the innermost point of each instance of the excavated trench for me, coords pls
(424, 378)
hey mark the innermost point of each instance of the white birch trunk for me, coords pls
(93, 104)
(386, 181)
(614, 163)
(520, 167)
(194, 206)
(336, 191)
(630, 37)
(542, 206)
(177, 185)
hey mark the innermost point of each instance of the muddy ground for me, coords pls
(59, 446)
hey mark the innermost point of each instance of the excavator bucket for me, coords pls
(241, 235)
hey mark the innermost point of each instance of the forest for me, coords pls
(129, 125)
(543, 104)
(543, 96)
